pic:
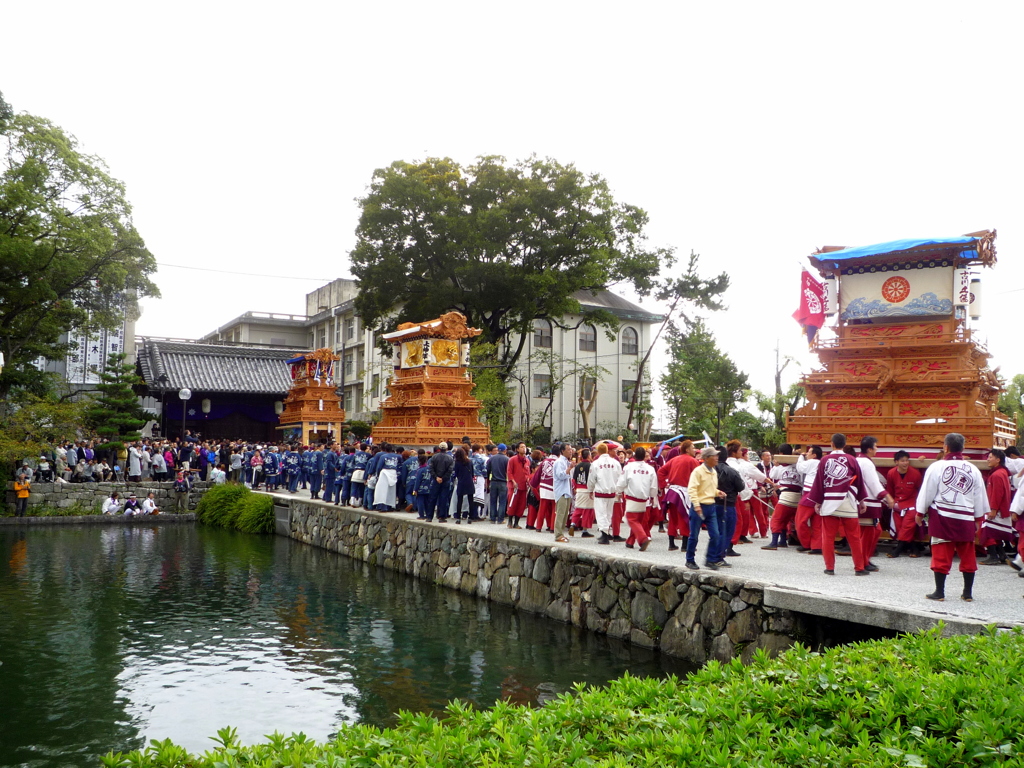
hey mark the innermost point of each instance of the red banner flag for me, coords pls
(811, 314)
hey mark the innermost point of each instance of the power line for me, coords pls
(245, 274)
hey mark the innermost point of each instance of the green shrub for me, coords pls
(919, 700)
(221, 504)
(256, 514)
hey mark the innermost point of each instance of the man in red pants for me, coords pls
(836, 493)
(903, 483)
(808, 524)
(673, 478)
(870, 530)
(952, 497)
(788, 481)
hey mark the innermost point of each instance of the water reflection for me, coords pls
(114, 636)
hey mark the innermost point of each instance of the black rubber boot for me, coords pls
(940, 588)
(968, 594)
(605, 538)
(995, 556)
(684, 542)
(901, 547)
(672, 544)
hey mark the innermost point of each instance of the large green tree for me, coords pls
(701, 384)
(503, 243)
(70, 256)
(113, 411)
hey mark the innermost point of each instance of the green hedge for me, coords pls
(234, 506)
(919, 700)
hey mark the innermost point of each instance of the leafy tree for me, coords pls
(489, 389)
(687, 291)
(69, 253)
(31, 425)
(1011, 403)
(502, 243)
(115, 413)
(701, 384)
(6, 113)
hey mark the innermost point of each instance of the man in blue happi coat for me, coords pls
(271, 468)
(331, 460)
(292, 467)
(316, 471)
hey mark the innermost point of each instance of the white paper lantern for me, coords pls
(975, 305)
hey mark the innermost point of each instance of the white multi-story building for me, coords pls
(558, 359)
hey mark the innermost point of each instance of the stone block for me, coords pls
(736, 605)
(620, 628)
(468, 584)
(559, 575)
(714, 615)
(743, 627)
(560, 610)
(642, 639)
(483, 586)
(752, 596)
(533, 596)
(579, 606)
(689, 609)
(668, 596)
(500, 588)
(872, 614)
(542, 569)
(596, 622)
(722, 648)
(605, 597)
(647, 613)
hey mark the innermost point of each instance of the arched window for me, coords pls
(630, 343)
(542, 333)
(588, 338)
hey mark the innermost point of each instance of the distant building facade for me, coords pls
(331, 321)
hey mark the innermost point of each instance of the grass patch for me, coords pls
(919, 700)
(78, 509)
(232, 505)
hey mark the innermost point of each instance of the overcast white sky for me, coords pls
(752, 133)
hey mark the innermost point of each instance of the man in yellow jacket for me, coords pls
(22, 486)
(703, 490)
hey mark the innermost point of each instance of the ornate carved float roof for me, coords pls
(324, 355)
(973, 248)
(451, 325)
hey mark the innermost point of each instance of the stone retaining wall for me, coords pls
(690, 614)
(161, 519)
(64, 495)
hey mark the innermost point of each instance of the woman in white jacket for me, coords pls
(638, 484)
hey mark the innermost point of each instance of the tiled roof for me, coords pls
(618, 306)
(167, 366)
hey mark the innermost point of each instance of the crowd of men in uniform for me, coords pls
(826, 503)
(809, 504)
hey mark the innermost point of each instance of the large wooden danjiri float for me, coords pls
(430, 396)
(903, 365)
(312, 411)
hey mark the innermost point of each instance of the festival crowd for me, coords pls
(825, 503)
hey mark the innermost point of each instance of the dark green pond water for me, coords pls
(112, 636)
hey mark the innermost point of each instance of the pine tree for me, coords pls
(114, 412)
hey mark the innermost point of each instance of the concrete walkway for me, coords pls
(900, 584)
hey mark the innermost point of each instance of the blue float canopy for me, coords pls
(978, 246)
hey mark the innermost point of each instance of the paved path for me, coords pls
(900, 583)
